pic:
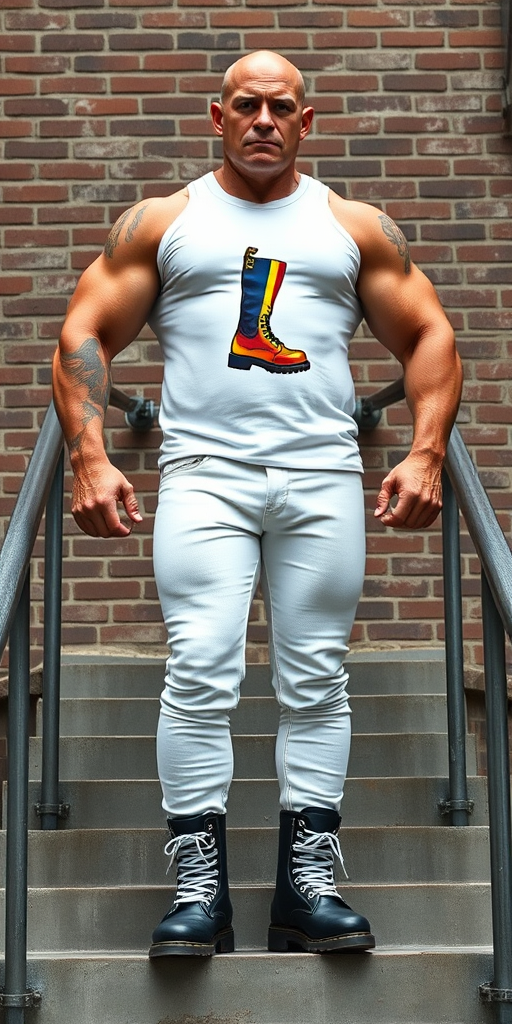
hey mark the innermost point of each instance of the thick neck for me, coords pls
(257, 188)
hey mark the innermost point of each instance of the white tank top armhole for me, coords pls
(192, 191)
(356, 252)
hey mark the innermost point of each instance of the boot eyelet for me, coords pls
(310, 895)
(303, 888)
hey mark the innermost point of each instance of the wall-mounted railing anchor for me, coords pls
(366, 415)
(490, 994)
(20, 1000)
(447, 806)
(143, 415)
(61, 810)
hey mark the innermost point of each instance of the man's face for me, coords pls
(262, 119)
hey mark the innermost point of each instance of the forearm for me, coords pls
(433, 384)
(81, 385)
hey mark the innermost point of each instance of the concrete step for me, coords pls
(387, 986)
(394, 671)
(110, 857)
(390, 754)
(126, 716)
(255, 802)
(122, 918)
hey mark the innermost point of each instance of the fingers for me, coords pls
(409, 499)
(95, 509)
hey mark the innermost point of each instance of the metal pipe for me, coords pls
(457, 805)
(486, 533)
(49, 808)
(17, 814)
(22, 532)
(498, 782)
(140, 413)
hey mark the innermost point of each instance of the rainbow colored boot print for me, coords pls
(254, 344)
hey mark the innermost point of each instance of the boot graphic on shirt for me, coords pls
(254, 343)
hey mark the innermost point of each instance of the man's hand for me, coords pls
(95, 500)
(417, 483)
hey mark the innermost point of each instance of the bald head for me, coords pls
(267, 65)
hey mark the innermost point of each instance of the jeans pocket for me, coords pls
(182, 465)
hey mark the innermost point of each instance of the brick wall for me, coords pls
(104, 103)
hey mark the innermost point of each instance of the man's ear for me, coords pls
(307, 120)
(216, 115)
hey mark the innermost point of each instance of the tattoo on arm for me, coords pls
(397, 237)
(115, 234)
(86, 369)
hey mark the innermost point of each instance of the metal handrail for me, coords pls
(42, 487)
(463, 486)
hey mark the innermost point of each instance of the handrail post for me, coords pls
(50, 809)
(457, 806)
(500, 829)
(15, 998)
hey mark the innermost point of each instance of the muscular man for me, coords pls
(254, 278)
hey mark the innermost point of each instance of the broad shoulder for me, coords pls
(377, 236)
(138, 231)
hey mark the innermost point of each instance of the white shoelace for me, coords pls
(198, 873)
(314, 854)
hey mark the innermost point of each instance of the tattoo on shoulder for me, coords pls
(397, 237)
(115, 233)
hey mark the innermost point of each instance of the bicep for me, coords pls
(111, 304)
(400, 308)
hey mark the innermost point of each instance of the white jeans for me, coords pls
(219, 525)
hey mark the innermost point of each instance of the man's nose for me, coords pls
(264, 117)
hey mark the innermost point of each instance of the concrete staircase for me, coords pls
(98, 885)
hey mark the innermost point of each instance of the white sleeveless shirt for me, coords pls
(289, 420)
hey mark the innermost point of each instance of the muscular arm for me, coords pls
(111, 304)
(403, 311)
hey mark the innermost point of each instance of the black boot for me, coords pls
(307, 911)
(199, 921)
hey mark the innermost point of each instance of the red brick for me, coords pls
(35, 237)
(111, 107)
(140, 83)
(413, 39)
(35, 108)
(37, 65)
(451, 61)
(17, 87)
(500, 320)
(280, 40)
(417, 125)
(451, 146)
(417, 167)
(81, 171)
(71, 42)
(14, 286)
(346, 40)
(105, 63)
(15, 130)
(346, 83)
(378, 19)
(17, 172)
(35, 22)
(301, 19)
(476, 38)
(349, 125)
(70, 84)
(175, 19)
(176, 62)
(16, 42)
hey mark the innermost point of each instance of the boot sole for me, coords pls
(224, 942)
(245, 363)
(287, 940)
